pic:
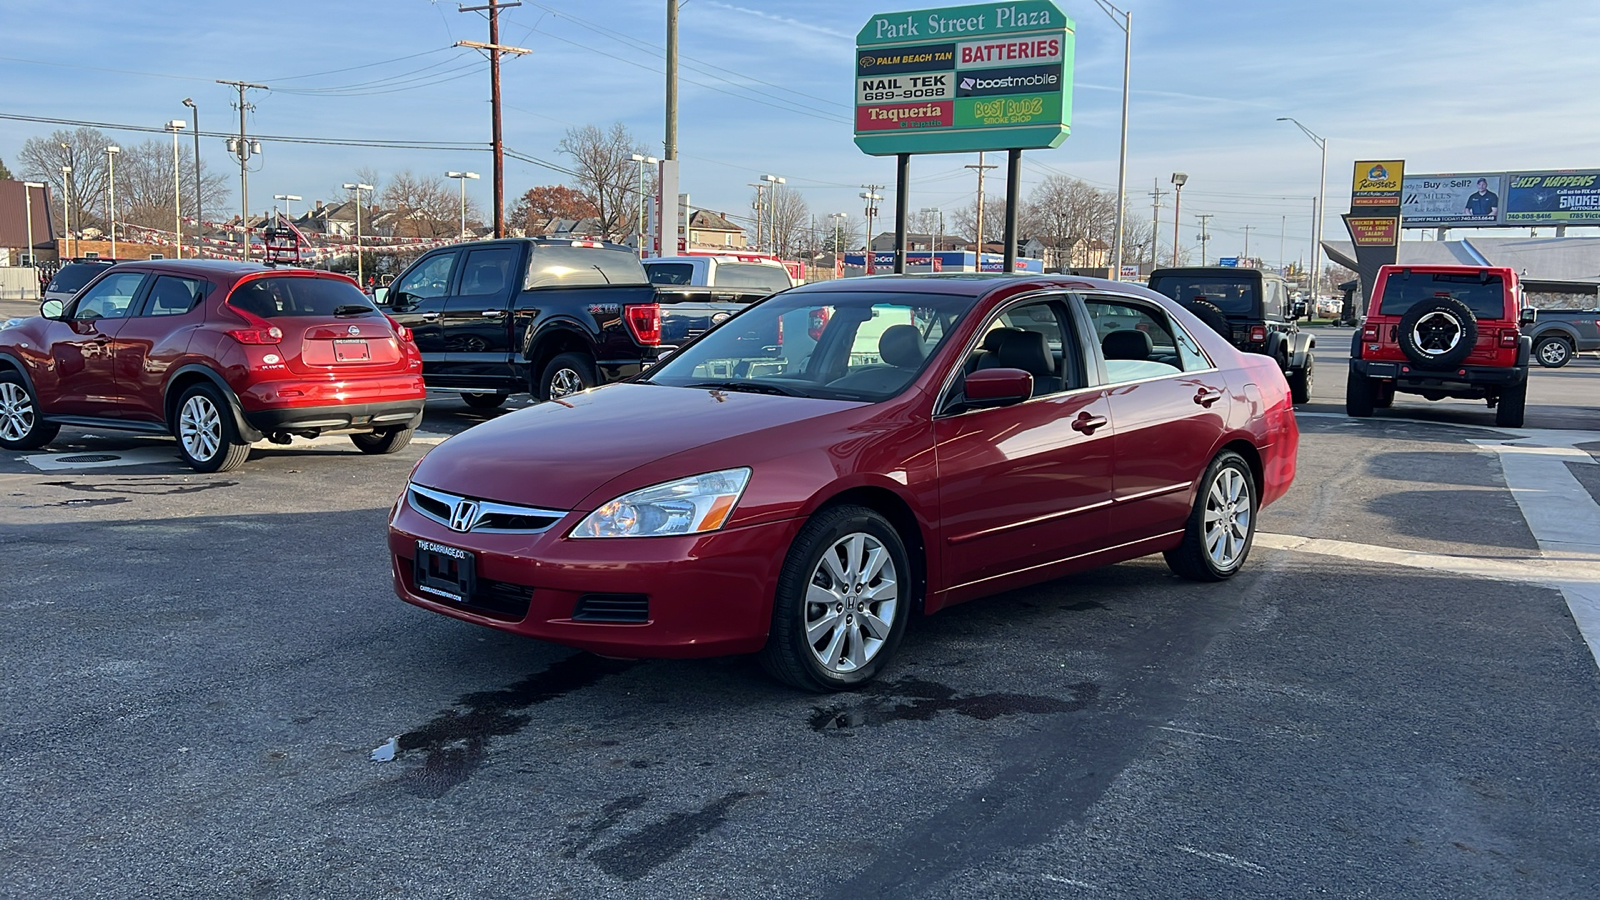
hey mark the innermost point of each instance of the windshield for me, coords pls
(752, 275)
(866, 345)
(75, 275)
(1235, 296)
(1484, 295)
(272, 298)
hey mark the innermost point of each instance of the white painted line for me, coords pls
(1214, 737)
(1225, 859)
(1551, 572)
(96, 458)
(1072, 881)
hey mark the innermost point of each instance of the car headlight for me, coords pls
(686, 506)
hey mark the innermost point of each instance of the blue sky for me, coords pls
(1447, 86)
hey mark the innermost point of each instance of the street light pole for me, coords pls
(1179, 179)
(27, 202)
(872, 197)
(1322, 196)
(461, 179)
(772, 211)
(358, 188)
(286, 198)
(647, 161)
(1126, 24)
(838, 220)
(111, 195)
(200, 225)
(177, 125)
(938, 230)
(66, 207)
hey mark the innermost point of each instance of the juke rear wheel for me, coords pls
(844, 594)
(208, 440)
(388, 440)
(1221, 528)
(20, 425)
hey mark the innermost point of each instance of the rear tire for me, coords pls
(1212, 315)
(1221, 528)
(844, 594)
(1384, 397)
(208, 439)
(567, 374)
(1509, 412)
(1553, 352)
(20, 425)
(1359, 394)
(381, 442)
(1301, 380)
(483, 401)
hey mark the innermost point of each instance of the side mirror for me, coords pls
(52, 309)
(1298, 311)
(1528, 316)
(400, 300)
(998, 387)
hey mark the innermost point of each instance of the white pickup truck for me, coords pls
(727, 272)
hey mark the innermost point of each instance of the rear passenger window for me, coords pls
(174, 296)
(565, 265)
(487, 272)
(1140, 342)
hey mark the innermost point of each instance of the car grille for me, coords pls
(468, 514)
(622, 609)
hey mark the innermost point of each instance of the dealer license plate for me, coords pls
(351, 351)
(444, 572)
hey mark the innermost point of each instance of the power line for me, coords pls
(453, 146)
(382, 62)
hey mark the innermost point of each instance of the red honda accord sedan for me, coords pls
(804, 477)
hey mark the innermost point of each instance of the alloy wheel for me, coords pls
(851, 603)
(16, 411)
(1553, 353)
(1227, 518)
(1436, 333)
(565, 382)
(200, 427)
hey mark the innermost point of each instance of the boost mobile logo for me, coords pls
(967, 83)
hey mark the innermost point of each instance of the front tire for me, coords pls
(20, 425)
(844, 594)
(1221, 528)
(483, 401)
(1358, 395)
(207, 437)
(1553, 352)
(380, 442)
(567, 373)
(1300, 381)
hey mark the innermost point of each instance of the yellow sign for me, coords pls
(1377, 182)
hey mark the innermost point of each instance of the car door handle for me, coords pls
(1207, 396)
(494, 314)
(429, 316)
(1087, 423)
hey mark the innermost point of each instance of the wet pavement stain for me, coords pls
(82, 501)
(913, 699)
(1082, 606)
(157, 486)
(611, 815)
(455, 742)
(634, 856)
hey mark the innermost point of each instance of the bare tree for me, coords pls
(964, 221)
(84, 149)
(144, 184)
(550, 201)
(1064, 211)
(608, 173)
(424, 206)
(785, 219)
(841, 235)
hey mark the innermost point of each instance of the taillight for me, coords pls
(400, 331)
(1369, 333)
(260, 331)
(1508, 337)
(818, 321)
(1258, 333)
(644, 320)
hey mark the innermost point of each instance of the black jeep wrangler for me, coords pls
(1250, 308)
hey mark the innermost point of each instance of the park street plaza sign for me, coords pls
(991, 76)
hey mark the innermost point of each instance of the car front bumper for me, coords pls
(699, 595)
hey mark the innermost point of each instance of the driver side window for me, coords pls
(428, 280)
(110, 298)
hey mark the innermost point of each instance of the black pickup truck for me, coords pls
(546, 316)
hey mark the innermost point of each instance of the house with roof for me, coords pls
(19, 237)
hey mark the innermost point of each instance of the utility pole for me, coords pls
(758, 206)
(243, 149)
(772, 211)
(672, 80)
(1247, 240)
(978, 259)
(1283, 229)
(1156, 193)
(872, 197)
(1204, 236)
(493, 49)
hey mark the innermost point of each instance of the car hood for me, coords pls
(554, 454)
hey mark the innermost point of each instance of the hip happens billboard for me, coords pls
(1535, 198)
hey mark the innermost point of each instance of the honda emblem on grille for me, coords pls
(464, 515)
(353, 330)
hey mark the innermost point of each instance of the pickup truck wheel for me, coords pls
(1508, 413)
(484, 401)
(1221, 527)
(1300, 381)
(1359, 394)
(568, 373)
(1553, 352)
(390, 440)
(20, 426)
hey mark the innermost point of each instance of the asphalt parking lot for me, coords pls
(209, 689)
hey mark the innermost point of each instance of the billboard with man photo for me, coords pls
(1467, 199)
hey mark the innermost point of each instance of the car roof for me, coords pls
(1215, 270)
(977, 284)
(228, 270)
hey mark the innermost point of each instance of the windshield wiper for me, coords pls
(352, 309)
(748, 387)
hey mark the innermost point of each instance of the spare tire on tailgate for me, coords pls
(1439, 332)
(1212, 315)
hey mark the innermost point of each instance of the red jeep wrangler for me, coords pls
(1443, 331)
